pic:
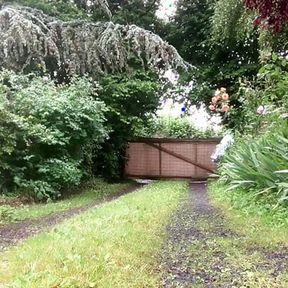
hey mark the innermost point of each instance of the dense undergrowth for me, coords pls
(259, 165)
(257, 162)
(46, 133)
(54, 136)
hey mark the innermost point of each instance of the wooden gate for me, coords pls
(170, 158)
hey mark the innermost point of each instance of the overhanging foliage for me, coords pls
(30, 39)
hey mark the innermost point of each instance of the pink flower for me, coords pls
(217, 92)
(225, 108)
(223, 90)
(225, 96)
(212, 107)
(214, 100)
(261, 110)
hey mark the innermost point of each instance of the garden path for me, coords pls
(202, 252)
(11, 234)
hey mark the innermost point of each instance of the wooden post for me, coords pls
(160, 159)
(196, 158)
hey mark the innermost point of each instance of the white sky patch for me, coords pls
(199, 118)
(171, 76)
(167, 9)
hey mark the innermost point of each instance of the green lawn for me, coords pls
(251, 217)
(94, 190)
(113, 245)
(258, 247)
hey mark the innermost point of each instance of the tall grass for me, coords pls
(260, 165)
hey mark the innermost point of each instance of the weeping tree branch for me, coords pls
(29, 37)
(87, 7)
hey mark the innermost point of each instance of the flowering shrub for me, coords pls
(261, 102)
(178, 120)
(261, 110)
(220, 101)
(257, 161)
(222, 147)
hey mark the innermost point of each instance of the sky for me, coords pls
(167, 9)
(199, 117)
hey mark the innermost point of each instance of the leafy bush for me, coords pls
(130, 101)
(45, 130)
(269, 90)
(171, 127)
(260, 165)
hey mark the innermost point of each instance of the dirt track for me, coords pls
(11, 234)
(199, 251)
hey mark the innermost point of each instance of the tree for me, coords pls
(31, 39)
(189, 30)
(131, 100)
(139, 12)
(69, 9)
(231, 22)
(271, 14)
(204, 34)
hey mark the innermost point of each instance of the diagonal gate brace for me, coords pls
(176, 155)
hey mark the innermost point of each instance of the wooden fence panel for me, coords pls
(170, 158)
(143, 160)
(204, 152)
(177, 167)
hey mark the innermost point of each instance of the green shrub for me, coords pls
(130, 99)
(46, 133)
(171, 127)
(175, 127)
(260, 165)
(269, 90)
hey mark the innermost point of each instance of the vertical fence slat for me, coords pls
(160, 159)
(196, 159)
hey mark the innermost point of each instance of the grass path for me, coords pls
(209, 248)
(88, 193)
(124, 243)
(113, 245)
(11, 234)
